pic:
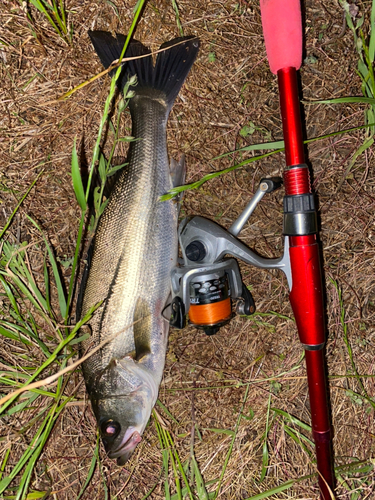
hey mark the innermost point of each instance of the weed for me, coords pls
(365, 47)
(276, 147)
(30, 319)
(344, 326)
(55, 14)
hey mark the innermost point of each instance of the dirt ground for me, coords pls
(230, 100)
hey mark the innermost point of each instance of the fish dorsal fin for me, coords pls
(142, 329)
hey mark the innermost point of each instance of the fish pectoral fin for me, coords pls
(167, 311)
(142, 329)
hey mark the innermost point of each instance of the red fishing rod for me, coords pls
(282, 28)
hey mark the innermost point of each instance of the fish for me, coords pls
(134, 248)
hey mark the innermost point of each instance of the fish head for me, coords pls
(125, 393)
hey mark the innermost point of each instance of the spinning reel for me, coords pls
(205, 282)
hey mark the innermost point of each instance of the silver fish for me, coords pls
(133, 252)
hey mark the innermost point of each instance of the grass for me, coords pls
(33, 320)
(365, 47)
(276, 148)
(188, 473)
(56, 16)
(344, 325)
(28, 309)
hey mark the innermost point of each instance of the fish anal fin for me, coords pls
(178, 171)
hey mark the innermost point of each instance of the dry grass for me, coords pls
(229, 86)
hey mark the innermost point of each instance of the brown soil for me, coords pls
(229, 87)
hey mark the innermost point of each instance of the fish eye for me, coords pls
(110, 428)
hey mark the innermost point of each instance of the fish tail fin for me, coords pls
(172, 65)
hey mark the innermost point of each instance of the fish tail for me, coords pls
(172, 65)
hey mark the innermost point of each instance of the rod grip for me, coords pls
(306, 296)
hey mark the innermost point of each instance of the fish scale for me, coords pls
(133, 252)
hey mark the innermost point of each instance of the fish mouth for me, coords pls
(128, 445)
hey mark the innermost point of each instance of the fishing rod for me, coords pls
(205, 282)
(282, 29)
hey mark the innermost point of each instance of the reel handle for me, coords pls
(265, 186)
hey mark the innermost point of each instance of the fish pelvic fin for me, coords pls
(172, 65)
(142, 329)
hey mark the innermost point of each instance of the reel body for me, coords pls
(206, 282)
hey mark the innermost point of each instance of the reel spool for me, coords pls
(205, 295)
(210, 304)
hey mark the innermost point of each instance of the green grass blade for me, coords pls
(9, 292)
(201, 487)
(165, 456)
(341, 100)
(228, 432)
(91, 469)
(33, 495)
(56, 273)
(167, 412)
(4, 483)
(74, 267)
(254, 147)
(37, 450)
(54, 355)
(59, 15)
(40, 5)
(102, 167)
(177, 14)
(195, 185)
(273, 491)
(368, 142)
(371, 48)
(63, 16)
(180, 467)
(77, 180)
(22, 269)
(25, 290)
(14, 336)
(9, 221)
(292, 419)
(5, 461)
(298, 438)
(21, 333)
(22, 406)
